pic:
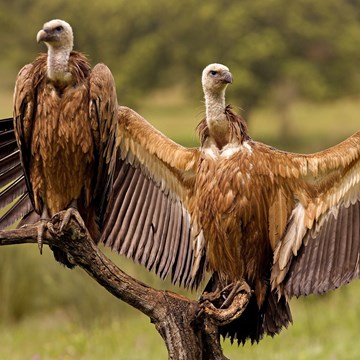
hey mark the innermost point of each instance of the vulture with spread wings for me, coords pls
(288, 224)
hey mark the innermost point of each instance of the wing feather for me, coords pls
(319, 248)
(20, 208)
(11, 192)
(129, 207)
(12, 179)
(149, 217)
(12, 173)
(147, 235)
(144, 223)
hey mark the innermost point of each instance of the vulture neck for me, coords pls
(217, 122)
(58, 65)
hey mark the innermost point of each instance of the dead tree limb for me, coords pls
(189, 329)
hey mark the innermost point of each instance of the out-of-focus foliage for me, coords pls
(309, 48)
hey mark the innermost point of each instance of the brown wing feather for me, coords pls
(323, 225)
(148, 213)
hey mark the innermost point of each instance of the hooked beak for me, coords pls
(227, 77)
(42, 35)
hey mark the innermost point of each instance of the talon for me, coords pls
(41, 229)
(233, 306)
(235, 289)
(72, 212)
(50, 228)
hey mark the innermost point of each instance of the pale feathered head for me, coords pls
(215, 78)
(56, 34)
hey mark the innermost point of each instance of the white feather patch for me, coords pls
(247, 146)
(212, 152)
(229, 150)
(293, 237)
(199, 246)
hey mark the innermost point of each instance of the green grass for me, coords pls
(324, 328)
(56, 336)
(48, 312)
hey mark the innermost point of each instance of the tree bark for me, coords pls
(189, 328)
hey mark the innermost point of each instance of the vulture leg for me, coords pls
(72, 211)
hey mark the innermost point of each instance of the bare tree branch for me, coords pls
(189, 328)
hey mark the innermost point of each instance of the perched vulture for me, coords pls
(288, 224)
(60, 153)
(63, 114)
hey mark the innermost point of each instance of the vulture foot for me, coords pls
(227, 304)
(236, 288)
(72, 212)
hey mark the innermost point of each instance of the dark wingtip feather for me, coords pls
(10, 174)
(330, 258)
(21, 207)
(6, 124)
(11, 192)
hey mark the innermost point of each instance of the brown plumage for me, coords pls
(67, 151)
(252, 212)
(63, 113)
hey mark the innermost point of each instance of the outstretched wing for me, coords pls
(148, 215)
(319, 246)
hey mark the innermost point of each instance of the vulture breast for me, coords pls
(62, 147)
(230, 207)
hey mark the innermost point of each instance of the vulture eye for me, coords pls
(59, 28)
(213, 72)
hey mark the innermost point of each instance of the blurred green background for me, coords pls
(296, 79)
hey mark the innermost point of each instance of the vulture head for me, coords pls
(215, 78)
(56, 34)
(58, 37)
